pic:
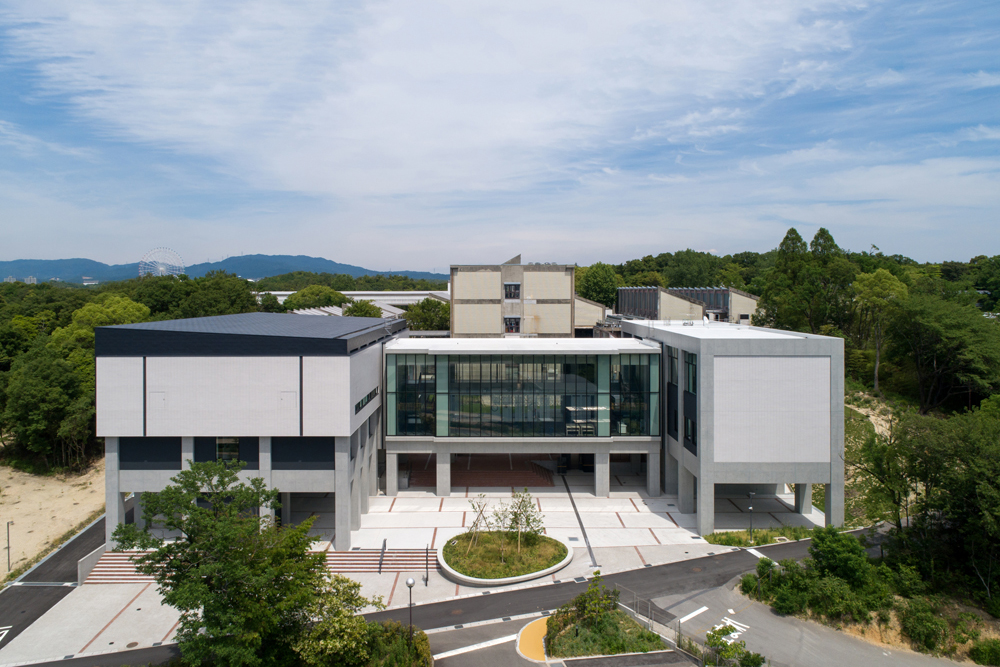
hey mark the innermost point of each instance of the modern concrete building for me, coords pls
(489, 301)
(748, 407)
(707, 409)
(572, 397)
(296, 398)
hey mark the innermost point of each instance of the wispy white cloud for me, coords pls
(983, 79)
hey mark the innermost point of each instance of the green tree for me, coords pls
(951, 347)
(339, 636)
(879, 465)
(877, 294)
(40, 393)
(600, 283)
(269, 304)
(362, 308)
(429, 315)
(645, 279)
(315, 296)
(244, 587)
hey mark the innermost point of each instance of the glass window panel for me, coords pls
(654, 372)
(227, 449)
(441, 374)
(391, 414)
(654, 414)
(603, 374)
(390, 373)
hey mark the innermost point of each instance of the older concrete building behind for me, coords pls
(490, 301)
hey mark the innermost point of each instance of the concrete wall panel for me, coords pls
(547, 318)
(326, 396)
(484, 284)
(772, 409)
(548, 284)
(740, 305)
(675, 308)
(119, 396)
(366, 374)
(222, 396)
(477, 318)
(587, 314)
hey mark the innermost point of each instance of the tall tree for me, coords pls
(243, 586)
(362, 308)
(877, 295)
(951, 346)
(600, 283)
(429, 315)
(315, 296)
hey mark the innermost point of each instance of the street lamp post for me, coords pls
(750, 495)
(8, 545)
(409, 584)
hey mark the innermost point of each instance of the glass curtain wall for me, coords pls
(526, 396)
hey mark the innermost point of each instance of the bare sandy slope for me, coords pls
(43, 508)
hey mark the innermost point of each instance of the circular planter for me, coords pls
(460, 578)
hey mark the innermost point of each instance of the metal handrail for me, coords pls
(381, 556)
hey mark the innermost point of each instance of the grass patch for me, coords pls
(612, 633)
(483, 560)
(761, 536)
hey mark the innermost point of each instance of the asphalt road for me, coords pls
(21, 605)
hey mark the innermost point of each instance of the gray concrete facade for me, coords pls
(697, 474)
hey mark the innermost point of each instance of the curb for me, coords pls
(460, 578)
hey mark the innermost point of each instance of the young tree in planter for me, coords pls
(526, 518)
(479, 504)
(501, 525)
(244, 587)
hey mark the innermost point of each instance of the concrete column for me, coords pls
(286, 508)
(140, 522)
(803, 498)
(602, 474)
(363, 479)
(653, 474)
(670, 473)
(443, 472)
(265, 471)
(706, 507)
(635, 461)
(342, 500)
(685, 490)
(391, 474)
(356, 504)
(835, 504)
(114, 504)
(187, 452)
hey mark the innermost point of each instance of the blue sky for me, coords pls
(400, 135)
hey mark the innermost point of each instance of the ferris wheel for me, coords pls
(161, 262)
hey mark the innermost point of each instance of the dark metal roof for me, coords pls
(246, 334)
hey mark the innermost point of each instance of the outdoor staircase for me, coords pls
(117, 568)
(367, 560)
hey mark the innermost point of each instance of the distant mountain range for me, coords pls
(248, 266)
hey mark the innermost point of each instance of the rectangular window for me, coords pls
(227, 449)
(691, 372)
(691, 431)
(672, 365)
(512, 325)
(512, 290)
(360, 405)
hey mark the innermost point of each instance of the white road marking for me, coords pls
(756, 553)
(733, 636)
(4, 630)
(693, 614)
(475, 647)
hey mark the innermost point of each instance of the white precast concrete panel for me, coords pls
(548, 318)
(366, 374)
(326, 396)
(478, 318)
(772, 409)
(119, 396)
(222, 396)
(548, 285)
(477, 284)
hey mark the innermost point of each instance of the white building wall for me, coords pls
(119, 396)
(325, 396)
(771, 409)
(547, 284)
(366, 374)
(222, 396)
(547, 318)
(477, 318)
(476, 284)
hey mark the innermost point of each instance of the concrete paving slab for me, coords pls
(146, 621)
(742, 522)
(684, 520)
(379, 504)
(560, 520)
(604, 505)
(72, 625)
(600, 520)
(620, 537)
(396, 538)
(410, 504)
(647, 520)
(411, 520)
(681, 536)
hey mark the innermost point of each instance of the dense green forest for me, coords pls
(289, 282)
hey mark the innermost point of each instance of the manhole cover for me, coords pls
(696, 569)
(131, 644)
